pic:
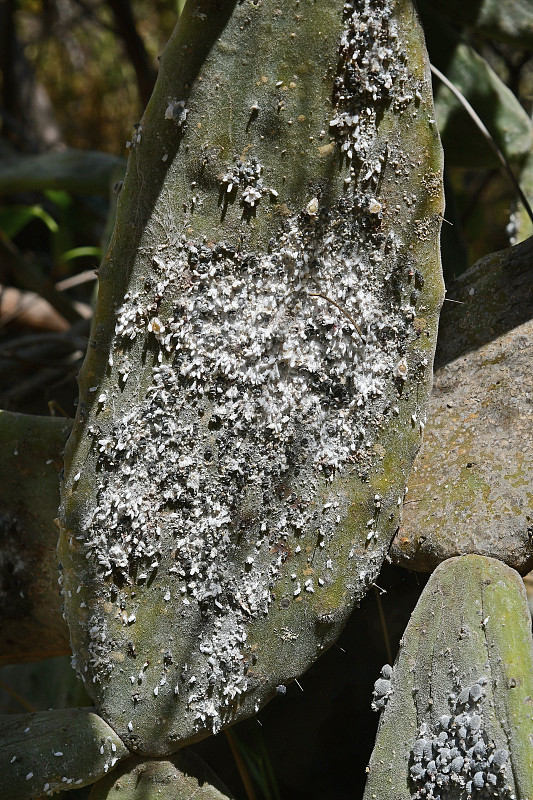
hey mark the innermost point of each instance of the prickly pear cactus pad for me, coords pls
(472, 478)
(50, 751)
(458, 718)
(261, 356)
(182, 777)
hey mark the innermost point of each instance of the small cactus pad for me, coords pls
(472, 479)
(31, 625)
(458, 719)
(260, 360)
(182, 777)
(50, 751)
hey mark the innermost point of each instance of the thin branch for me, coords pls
(488, 136)
(88, 276)
(135, 47)
(35, 281)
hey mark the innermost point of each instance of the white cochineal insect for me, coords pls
(382, 688)
(259, 363)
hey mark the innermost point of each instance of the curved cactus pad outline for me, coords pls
(181, 777)
(472, 476)
(50, 751)
(260, 362)
(458, 722)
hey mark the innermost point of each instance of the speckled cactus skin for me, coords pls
(180, 777)
(260, 359)
(479, 498)
(458, 720)
(50, 751)
(250, 408)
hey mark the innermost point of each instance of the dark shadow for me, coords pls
(491, 298)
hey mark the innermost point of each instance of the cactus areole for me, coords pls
(259, 362)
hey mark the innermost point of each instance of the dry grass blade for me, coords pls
(487, 135)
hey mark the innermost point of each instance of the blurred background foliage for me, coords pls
(75, 77)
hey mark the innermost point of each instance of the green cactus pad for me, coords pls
(183, 776)
(50, 751)
(472, 484)
(260, 360)
(460, 712)
(31, 625)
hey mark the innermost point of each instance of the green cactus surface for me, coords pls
(31, 625)
(472, 484)
(50, 751)
(458, 709)
(180, 778)
(260, 359)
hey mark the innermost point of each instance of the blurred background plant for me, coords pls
(75, 77)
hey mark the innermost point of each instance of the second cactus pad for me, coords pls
(458, 719)
(261, 356)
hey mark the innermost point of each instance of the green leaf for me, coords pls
(281, 228)
(81, 252)
(60, 198)
(504, 20)
(50, 751)
(495, 104)
(463, 678)
(14, 218)
(499, 109)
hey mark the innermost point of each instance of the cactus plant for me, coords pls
(479, 498)
(255, 389)
(261, 354)
(182, 776)
(458, 718)
(51, 751)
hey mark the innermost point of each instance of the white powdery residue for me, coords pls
(177, 112)
(129, 316)
(98, 648)
(456, 757)
(371, 66)
(272, 371)
(245, 177)
(222, 647)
